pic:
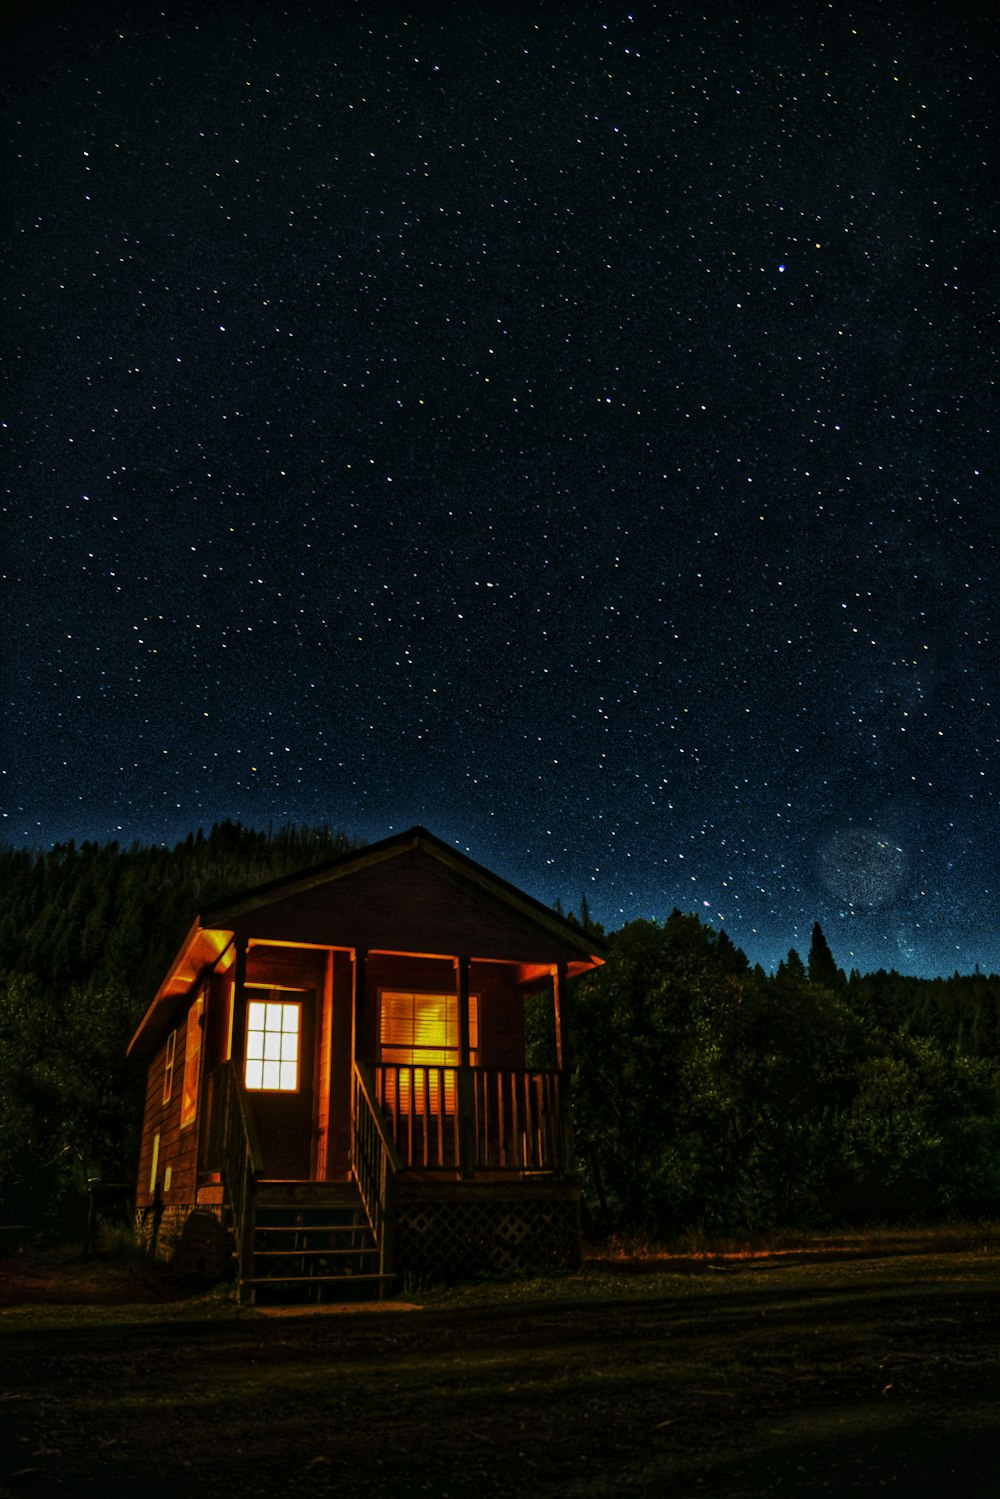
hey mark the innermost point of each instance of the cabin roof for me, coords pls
(215, 927)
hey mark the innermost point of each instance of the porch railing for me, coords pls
(473, 1118)
(234, 1152)
(376, 1161)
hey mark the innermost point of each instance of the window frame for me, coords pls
(192, 1063)
(289, 999)
(412, 1095)
(168, 1066)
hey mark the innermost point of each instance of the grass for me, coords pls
(641, 1248)
(838, 1367)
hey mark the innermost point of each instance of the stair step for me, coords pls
(286, 1259)
(312, 1228)
(313, 1254)
(308, 1194)
(308, 1280)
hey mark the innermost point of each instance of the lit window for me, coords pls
(228, 1027)
(192, 1064)
(418, 1031)
(168, 1067)
(273, 1045)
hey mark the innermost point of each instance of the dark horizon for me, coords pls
(566, 903)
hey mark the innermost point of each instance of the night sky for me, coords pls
(571, 427)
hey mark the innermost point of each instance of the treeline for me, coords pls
(711, 1095)
(86, 934)
(706, 1093)
(80, 912)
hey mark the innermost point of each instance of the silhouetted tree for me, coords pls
(822, 967)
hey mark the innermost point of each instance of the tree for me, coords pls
(646, 1099)
(88, 933)
(821, 966)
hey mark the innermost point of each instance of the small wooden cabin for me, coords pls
(337, 1082)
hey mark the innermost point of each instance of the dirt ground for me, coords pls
(863, 1370)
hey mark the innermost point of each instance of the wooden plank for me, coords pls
(413, 903)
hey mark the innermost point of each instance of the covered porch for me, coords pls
(433, 1046)
(392, 1075)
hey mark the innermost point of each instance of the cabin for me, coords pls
(338, 1094)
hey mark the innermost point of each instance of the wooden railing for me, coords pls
(376, 1161)
(472, 1118)
(233, 1151)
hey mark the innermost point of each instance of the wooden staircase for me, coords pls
(312, 1242)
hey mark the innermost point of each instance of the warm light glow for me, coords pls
(168, 1067)
(192, 1063)
(230, 1009)
(418, 1031)
(273, 1029)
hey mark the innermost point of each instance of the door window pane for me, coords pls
(273, 1030)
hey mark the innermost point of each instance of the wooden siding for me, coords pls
(178, 1147)
(501, 1015)
(410, 903)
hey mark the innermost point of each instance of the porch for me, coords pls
(469, 1121)
(454, 1172)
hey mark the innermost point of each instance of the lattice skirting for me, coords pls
(453, 1240)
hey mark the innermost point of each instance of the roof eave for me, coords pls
(201, 949)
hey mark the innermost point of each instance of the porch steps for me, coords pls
(312, 1243)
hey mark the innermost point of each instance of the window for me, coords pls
(418, 1031)
(192, 1064)
(154, 1165)
(273, 1030)
(168, 1067)
(230, 1007)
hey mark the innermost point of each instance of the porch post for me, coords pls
(360, 956)
(360, 959)
(466, 1097)
(239, 1026)
(559, 985)
(558, 993)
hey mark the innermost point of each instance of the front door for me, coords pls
(278, 1076)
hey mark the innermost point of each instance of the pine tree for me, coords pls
(822, 967)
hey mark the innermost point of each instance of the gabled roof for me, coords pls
(251, 910)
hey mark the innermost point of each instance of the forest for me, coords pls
(709, 1097)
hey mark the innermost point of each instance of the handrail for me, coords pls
(363, 1079)
(240, 1161)
(254, 1153)
(376, 1161)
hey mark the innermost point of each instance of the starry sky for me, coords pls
(569, 426)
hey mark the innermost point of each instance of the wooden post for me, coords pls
(360, 964)
(360, 959)
(559, 982)
(241, 1186)
(462, 990)
(239, 1025)
(558, 971)
(465, 1100)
